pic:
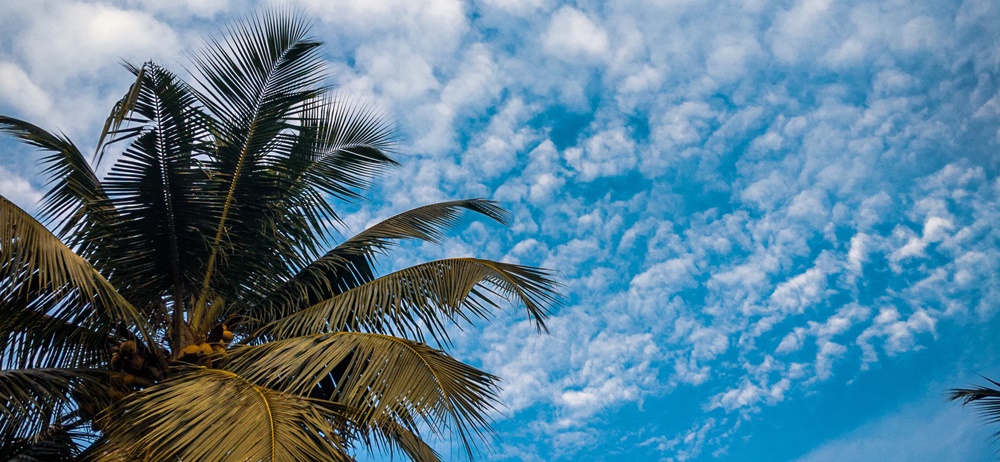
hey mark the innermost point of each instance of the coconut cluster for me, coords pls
(131, 368)
(213, 349)
(134, 363)
(134, 366)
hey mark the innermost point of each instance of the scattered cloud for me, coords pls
(747, 201)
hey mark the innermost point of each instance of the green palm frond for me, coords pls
(389, 437)
(50, 341)
(416, 301)
(34, 261)
(264, 68)
(213, 414)
(351, 263)
(33, 399)
(413, 446)
(986, 400)
(383, 377)
(353, 147)
(258, 86)
(75, 203)
(338, 149)
(56, 444)
(396, 435)
(157, 189)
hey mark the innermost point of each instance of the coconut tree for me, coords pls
(197, 301)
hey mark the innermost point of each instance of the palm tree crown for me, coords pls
(190, 305)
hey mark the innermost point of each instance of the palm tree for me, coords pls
(191, 304)
(986, 398)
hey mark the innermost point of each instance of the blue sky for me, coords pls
(775, 220)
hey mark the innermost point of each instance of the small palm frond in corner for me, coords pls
(985, 400)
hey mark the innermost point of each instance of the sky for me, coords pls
(774, 221)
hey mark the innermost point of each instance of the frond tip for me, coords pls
(985, 398)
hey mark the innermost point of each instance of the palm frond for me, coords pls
(392, 436)
(120, 111)
(76, 202)
(55, 444)
(211, 227)
(351, 263)
(157, 188)
(986, 399)
(409, 442)
(213, 414)
(416, 301)
(33, 399)
(35, 263)
(383, 377)
(258, 85)
(338, 149)
(353, 147)
(30, 337)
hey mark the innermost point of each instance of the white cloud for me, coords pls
(20, 93)
(746, 395)
(920, 33)
(572, 35)
(767, 192)
(544, 187)
(183, 9)
(82, 39)
(610, 152)
(685, 123)
(898, 335)
(614, 369)
(520, 7)
(400, 73)
(650, 290)
(800, 292)
(730, 59)
(68, 54)
(800, 28)
(495, 150)
(433, 28)
(858, 253)
(18, 190)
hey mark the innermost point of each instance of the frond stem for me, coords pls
(263, 398)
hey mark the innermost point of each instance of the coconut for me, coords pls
(128, 348)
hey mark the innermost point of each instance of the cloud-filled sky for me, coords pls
(775, 221)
